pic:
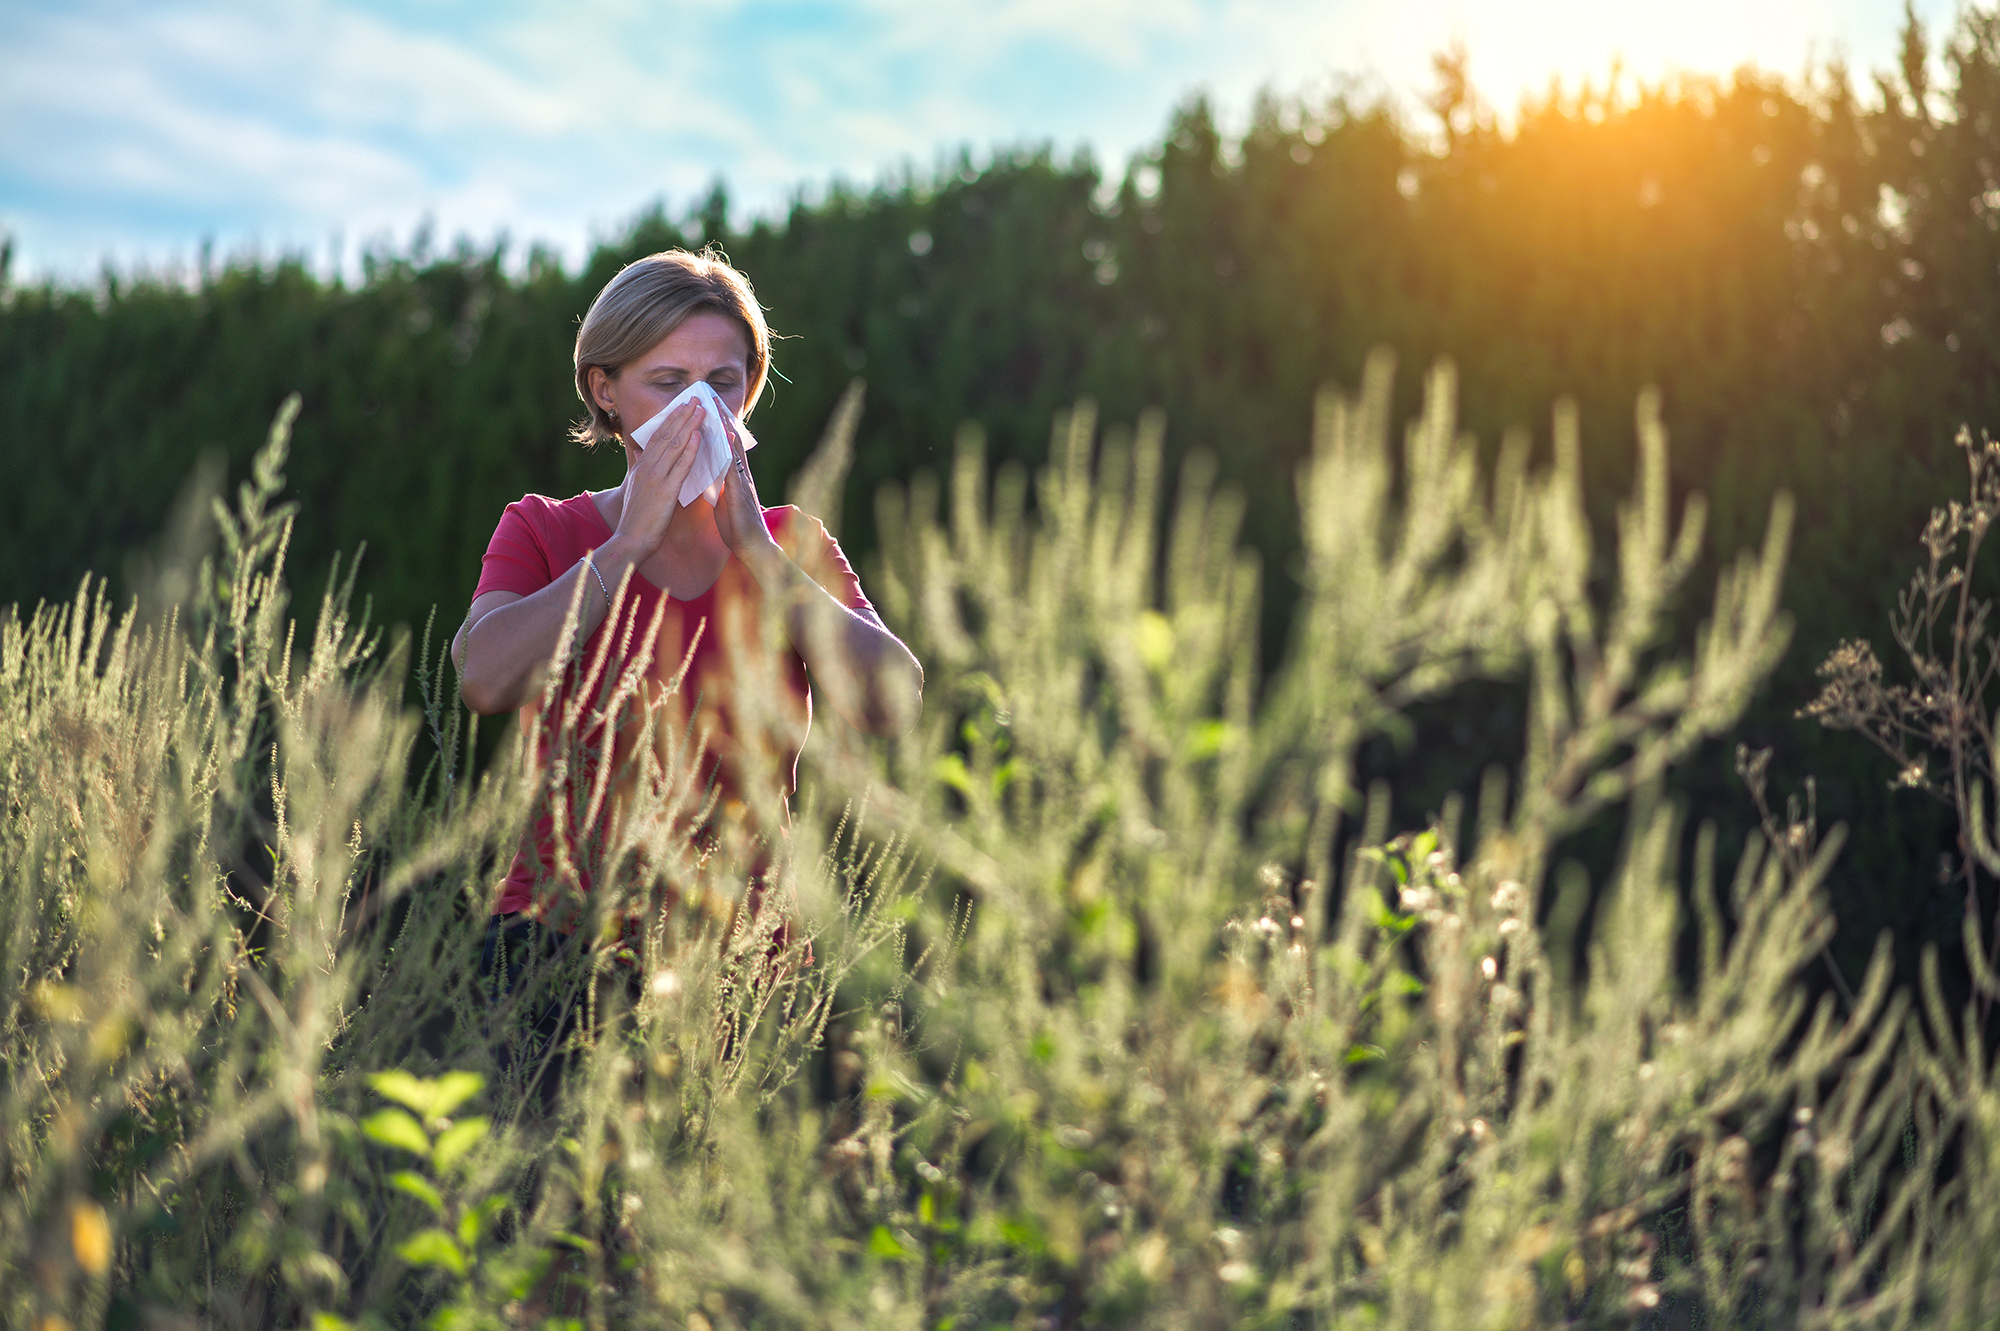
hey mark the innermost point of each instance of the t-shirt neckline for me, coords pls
(590, 502)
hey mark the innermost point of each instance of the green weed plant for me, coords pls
(1123, 1004)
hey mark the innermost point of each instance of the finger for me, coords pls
(676, 461)
(676, 440)
(675, 428)
(739, 433)
(740, 487)
(686, 423)
(739, 462)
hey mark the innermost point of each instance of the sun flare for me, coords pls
(1518, 49)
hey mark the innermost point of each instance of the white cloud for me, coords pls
(144, 128)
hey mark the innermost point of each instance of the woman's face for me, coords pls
(707, 346)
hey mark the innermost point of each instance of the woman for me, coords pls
(699, 624)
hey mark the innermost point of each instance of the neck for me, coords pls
(692, 528)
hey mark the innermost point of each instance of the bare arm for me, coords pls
(862, 670)
(507, 641)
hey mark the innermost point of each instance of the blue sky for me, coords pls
(133, 132)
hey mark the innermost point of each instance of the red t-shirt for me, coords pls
(707, 701)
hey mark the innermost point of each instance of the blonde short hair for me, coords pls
(647, 300)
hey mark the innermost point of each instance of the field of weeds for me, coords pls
(1124, 1005)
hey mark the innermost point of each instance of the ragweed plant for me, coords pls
(239, 902)
(452, 1233)
(1104, 997)
(1217, 1076)
(1938, 729)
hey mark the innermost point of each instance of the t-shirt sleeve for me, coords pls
(812, 547)
(516, 560)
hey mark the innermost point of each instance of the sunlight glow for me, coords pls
(1519, 49)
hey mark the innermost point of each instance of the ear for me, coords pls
(600, 388)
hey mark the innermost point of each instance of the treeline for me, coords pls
(1806, 270)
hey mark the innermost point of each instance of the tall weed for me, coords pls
(1124, 1006)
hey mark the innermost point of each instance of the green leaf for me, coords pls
(454, 1089)
(404, 1089)
(881, 1243)
(328, 1322)
(456, 1140)
(1366, 1053)
(419, 1187)
(392, 1127)
(395, 1128)
(950, 769)
(432, 1247)
(431, 1099)
(1206, 739)
(474, 1222)
(573, 1240)
(1392, 922)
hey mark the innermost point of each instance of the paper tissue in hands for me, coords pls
(712, 451)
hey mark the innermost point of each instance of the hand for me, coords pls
(739, 515)
(653, 487)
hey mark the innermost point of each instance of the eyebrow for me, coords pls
(678, 369)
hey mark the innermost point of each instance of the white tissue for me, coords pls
(712, 452)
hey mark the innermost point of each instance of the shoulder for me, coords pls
(527, 545)
(550, 518)
(543, 508)
(545, 533)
